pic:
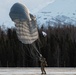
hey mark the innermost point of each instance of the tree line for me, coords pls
(58, 47)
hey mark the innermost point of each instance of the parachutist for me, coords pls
(43, 64)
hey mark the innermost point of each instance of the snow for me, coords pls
(37, 71)
(58, 7)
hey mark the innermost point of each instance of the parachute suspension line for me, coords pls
(26, 53)
(30, 51)
(40, 55)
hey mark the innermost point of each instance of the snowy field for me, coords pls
(37, 71)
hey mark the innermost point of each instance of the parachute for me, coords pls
(26, 27)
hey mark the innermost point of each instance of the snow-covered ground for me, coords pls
(37, 71)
